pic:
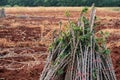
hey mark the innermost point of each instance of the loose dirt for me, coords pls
(25, 37)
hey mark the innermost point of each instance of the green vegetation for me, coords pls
(77, 54)
(59, 2)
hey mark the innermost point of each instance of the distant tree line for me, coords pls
(59, 2)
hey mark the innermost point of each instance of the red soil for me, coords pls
(24, 41)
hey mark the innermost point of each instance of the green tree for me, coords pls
(38, 3)
(3, 2)
(60, 2)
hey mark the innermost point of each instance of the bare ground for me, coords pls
(25, 37)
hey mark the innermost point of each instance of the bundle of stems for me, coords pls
(78, 54)
(2, 13)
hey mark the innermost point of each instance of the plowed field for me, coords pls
(26, 34)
